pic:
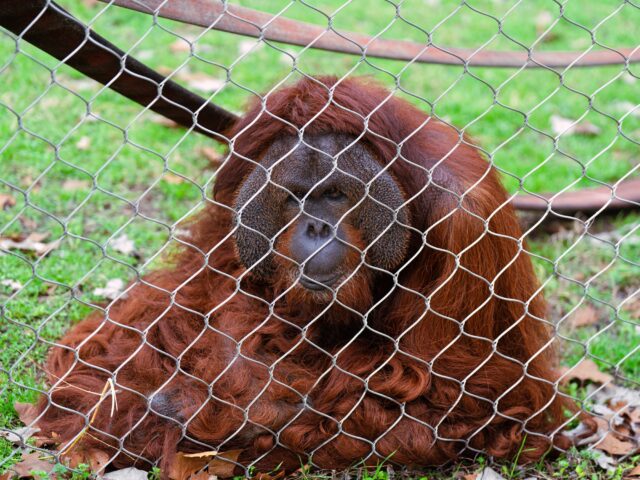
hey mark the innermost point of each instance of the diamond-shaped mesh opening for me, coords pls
(296, 250)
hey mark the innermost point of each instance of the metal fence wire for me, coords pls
(342, 298)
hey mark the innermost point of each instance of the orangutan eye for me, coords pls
(333, 193)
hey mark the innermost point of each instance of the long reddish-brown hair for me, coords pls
(456, 360)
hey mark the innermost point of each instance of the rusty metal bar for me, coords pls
(627, 195)
(49, 27)
(253, 23)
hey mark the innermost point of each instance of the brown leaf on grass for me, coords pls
(12, 285)
(186, 466)
(31, 462)
(172, 178)
(614, 446)
(31, 243)
(53, 440)
(27, 412)
(587, 128)
(123, 244)
(179, 46)
(164, 70)
(201, 81)
(19, 436)
(543, 21)
(84, 143)
(72, 184)
(633, 473)
(633, 307)
(212, 155)
(633, 415)
(566, 126)
(208, 454)
(202, 476)
(585, 371)
(97, 459)
(222, 465)
(609, 438)
(269, 476)
(6, 201)
(111, 290)
(583, 317)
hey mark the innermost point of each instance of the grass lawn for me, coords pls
(90, 179)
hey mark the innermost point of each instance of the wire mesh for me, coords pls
(97, 195)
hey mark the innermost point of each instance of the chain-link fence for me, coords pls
(337, 277)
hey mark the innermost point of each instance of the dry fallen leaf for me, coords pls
(565, 126)
(28, 245)
(111, 290)
(123, 244)
(201, 81)
(202, 476)
(145, 55)
(583, 317)
(13, 285)
(179, 46)
(208, 454)
(27, 412)
(20, 435)
(627, 108)
(183, 467)
(84, 143)
(31, 462)
(585, 371)
(489, 474)
(604, 461)
(634, 473)
(614, 446)
(220, 464)
(633, 415)
(6, 201)
(126, 474)
(32, 243)
(73, 184)
(543, 21)
(245, 46)
(98, 460)
(172, 178)
(587, 128)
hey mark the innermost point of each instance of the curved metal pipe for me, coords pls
(253, 23)
(627, 195)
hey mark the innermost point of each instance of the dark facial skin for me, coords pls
(317, 202)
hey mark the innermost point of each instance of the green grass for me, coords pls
(124, 168)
